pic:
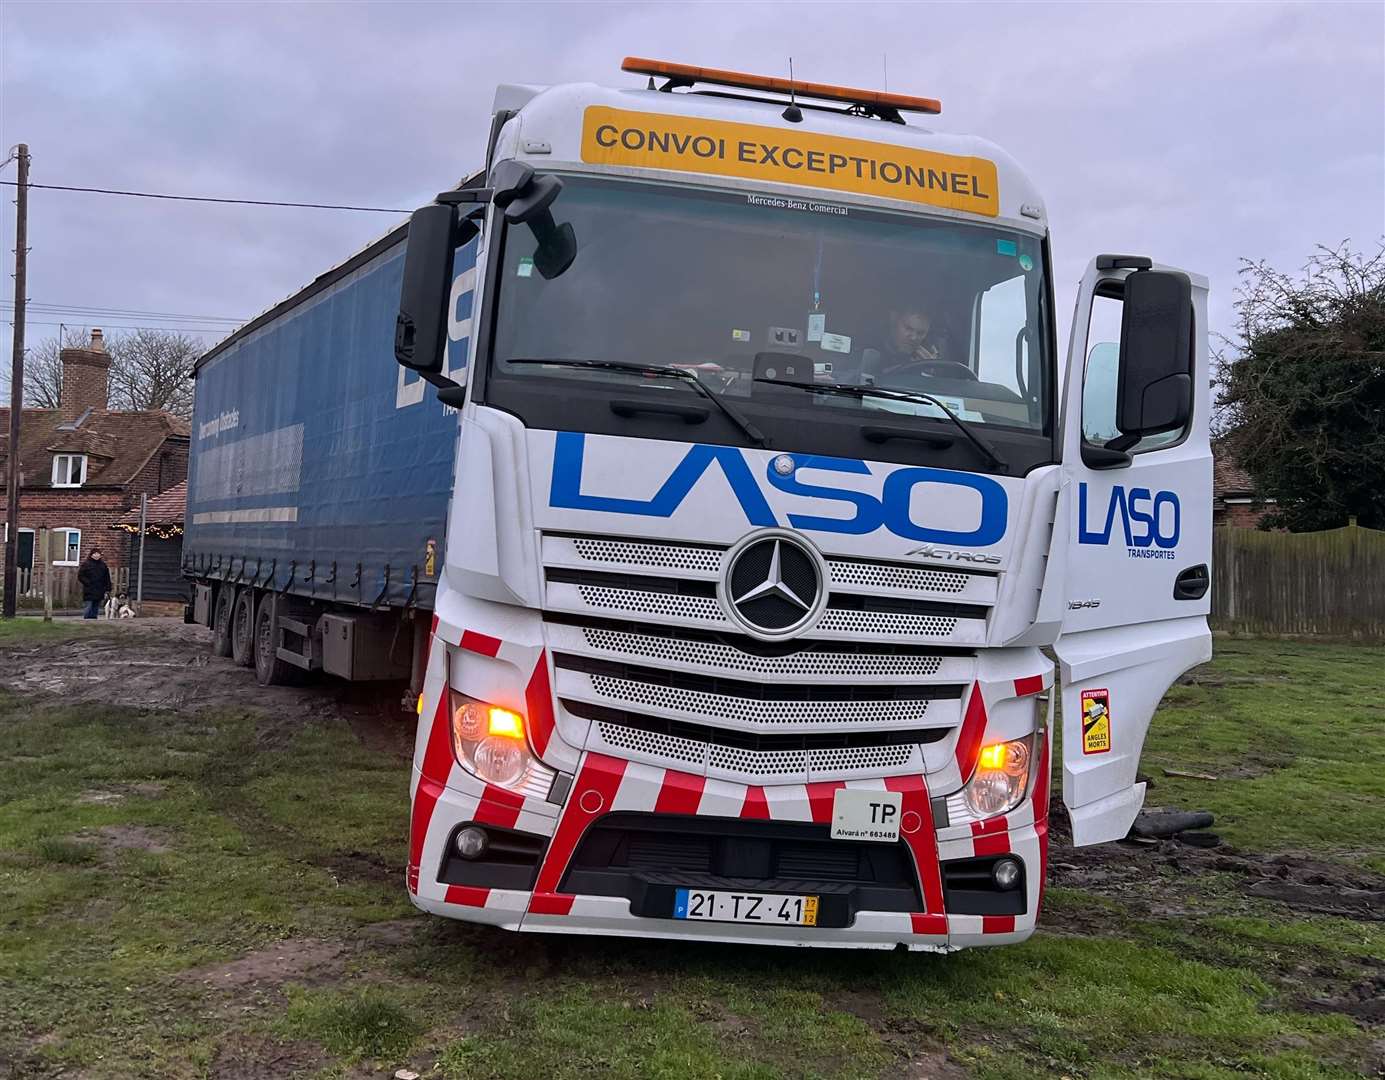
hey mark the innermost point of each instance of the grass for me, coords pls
(275, 927)
(368, 1022)
(31, 629)
(1298, 730)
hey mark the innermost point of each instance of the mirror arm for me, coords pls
(465, 195)
(1104, 457)
(452, 394)
(1124, 262)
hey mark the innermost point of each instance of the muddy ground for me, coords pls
(162, 664)
(165, 664)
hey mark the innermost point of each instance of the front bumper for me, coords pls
(610, 790)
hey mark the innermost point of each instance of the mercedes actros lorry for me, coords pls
(725, 507)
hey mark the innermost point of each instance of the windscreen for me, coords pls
(747, 290)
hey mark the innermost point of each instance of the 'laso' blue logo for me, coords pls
(1148, 520)
(891, 509)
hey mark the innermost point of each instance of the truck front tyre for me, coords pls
(221, 620)
(243, 627)
(269, 669)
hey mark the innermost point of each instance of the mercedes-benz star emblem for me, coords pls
(773, 586)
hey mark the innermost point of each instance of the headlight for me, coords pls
(1001, 778)
(490, 742)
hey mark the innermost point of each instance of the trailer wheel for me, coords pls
(243, 628)
(269, 669)
(221, 620)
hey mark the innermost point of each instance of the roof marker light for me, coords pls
(687, 74)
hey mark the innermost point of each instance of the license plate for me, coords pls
(862, 814)
(726, 906)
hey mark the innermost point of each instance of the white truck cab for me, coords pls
(771, 494)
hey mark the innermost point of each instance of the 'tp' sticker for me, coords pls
(1096, 721)
(525, 267)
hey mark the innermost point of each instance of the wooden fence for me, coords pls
(1328, 584)
(67, 591)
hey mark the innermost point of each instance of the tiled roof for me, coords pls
(117, 444)
(165, 509)
(1229, 480)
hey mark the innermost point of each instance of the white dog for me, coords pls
(118, 607)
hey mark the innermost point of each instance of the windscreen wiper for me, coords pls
(917, 397)
(661, 370)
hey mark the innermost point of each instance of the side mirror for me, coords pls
(1154, 388)
(525, 197)
(420, 330)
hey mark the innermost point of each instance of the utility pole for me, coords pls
(44, 539)
(143, 528)
(21, 258)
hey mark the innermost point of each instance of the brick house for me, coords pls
(83, 466)
(1234, 500)
(163, 545)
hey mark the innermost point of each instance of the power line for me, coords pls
(211, 199)
(121, 313)
(138, 326)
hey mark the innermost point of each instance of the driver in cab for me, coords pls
(912, 345)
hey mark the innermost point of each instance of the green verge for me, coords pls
(28, 629)
(1296, 734)
(141, 852)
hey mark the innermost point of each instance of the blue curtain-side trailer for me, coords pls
(319, 480)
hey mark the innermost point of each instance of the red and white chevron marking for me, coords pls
(445, 795)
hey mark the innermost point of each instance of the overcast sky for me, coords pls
(1198, 134)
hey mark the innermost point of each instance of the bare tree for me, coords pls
(150, 369)
(43, 370)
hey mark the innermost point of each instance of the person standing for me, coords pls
(95, 579)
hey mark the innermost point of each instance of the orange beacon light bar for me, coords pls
(686, 74)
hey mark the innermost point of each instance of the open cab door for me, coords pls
(1137, 469)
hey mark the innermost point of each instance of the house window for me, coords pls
(65, 546)
(69, 470)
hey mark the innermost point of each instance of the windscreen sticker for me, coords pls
(836, 342)
(784, 337)
(1096, 721)
(817, 326)
(1026, 263)
(803, 158)
(740, 335)
(525, 267)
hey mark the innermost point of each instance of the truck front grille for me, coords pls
(759, 703)
(644, 650)
(798, 757)
(695, 601)
(765, 766)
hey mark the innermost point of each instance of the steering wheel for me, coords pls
(949, 369)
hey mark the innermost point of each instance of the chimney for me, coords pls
(85, 377)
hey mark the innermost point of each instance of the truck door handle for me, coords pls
(1192, 583)
(689, 414)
